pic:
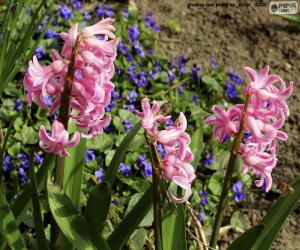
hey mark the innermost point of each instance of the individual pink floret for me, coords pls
(58, 141)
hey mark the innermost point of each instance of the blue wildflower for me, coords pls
(180, 90)
(77, 4)
(235, 77)
(180, 61)
(133, 33)
(237, 189)
(203, 194)
(194, 99)
(39, 158)
(110, 106)
(89, 155)
(213, 63)
(7, 164)
(126, 14)
(99, 175)
(150, 22)
(170, 122)
(246, 136)
(99, 11)
(106, 129)
(195, 73)
(108, 11)
(122, 47)
(87, 15)
(119, 71)
(138, 49)
(200, 217)
(150, 52)
(55, 22)
(141, 161)
(48, 100)
(170, 64)
(23, 176)
(127, 124)
(115, 95)
(125, 169)
(40, 52)
(142, 82)
(230, 90)
(226, 137)
(65, 12)
(161, 150)
(129, 57)
(18, 105)
(131, 96)
(50, 34)
(129, 107)
(209, 159)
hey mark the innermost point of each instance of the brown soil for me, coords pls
(240, 37)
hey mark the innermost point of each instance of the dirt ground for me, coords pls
(237, 37)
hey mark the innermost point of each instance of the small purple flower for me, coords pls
(110, 106)
(133, 33)
(119, 71)
(48, 100)
(7, 164)
(181, 61)
(55, 22)
(129, 57)
(150, 52)
(230, 90)
(50, 34)
(235, 77)
(39, 158)
(180, 90)
(213, 63)
(87, 15)
(127, 124)
(65, 12)
(99, 11)
(141, 161)
(40, 52)
(129, 107)
(195, 73)
(194, 99)
(246, 136)
(106, 129)
(203, 194)
(18, 105)
(125, 169)
(99, 175)
(150, 22)
(126, 14)
(122, 47)
(170, 64)
(108, 11)
(200, 217)
(209, 159)
(161, 150)
(131, 96)
(115, 95)
(171, 75)
(237, 189)
(77, 4)
(89, 155)
(142, 82)
(138, 49)
(226, 137)
(170, 122)
(23, 176)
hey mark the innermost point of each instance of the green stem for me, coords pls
(156, 191)
(64, 119)
(228, 177)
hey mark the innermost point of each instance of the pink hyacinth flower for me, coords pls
(262, 163)
(149, 116)
(59, 139)
(225, 122)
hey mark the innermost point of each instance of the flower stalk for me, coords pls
(64, 118)
(156, 191)
(228, 177)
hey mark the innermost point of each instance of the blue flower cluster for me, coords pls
(65, 12)
(238, 193)
(141, 161)
(104, 12)
(150, 22)
(127, 124)
(125, 169)
(209, 159)
(99, 174)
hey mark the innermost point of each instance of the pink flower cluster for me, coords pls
(91, 86)
(265, 116)
(176, 163)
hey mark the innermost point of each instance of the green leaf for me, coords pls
(197, 146)
(138, 239)
(215, 183)
(211, 83)
(22, 203)
(131, 221)
(238, 221)
(97, 206)
(38, 218)
(246, 240)
(74, 166)
(74, 226)
(8, 226)
(173, 229)
(101, 142)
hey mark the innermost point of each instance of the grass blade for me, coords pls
(38, 219)
(8, 226)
